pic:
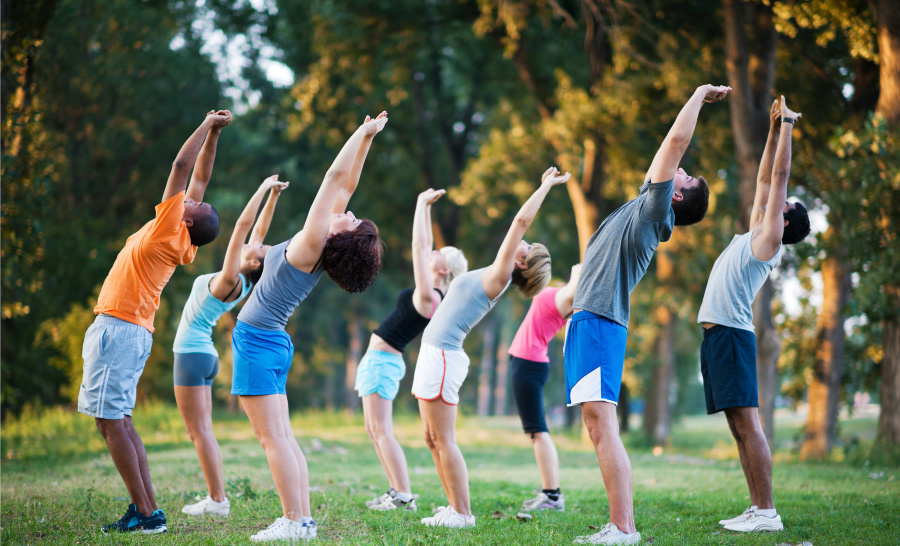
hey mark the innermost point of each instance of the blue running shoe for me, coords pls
(135, 522)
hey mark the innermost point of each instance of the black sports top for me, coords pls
(404, 323)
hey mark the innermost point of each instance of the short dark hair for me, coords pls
(205, 227)
(255, 274)
(692, 208)
(353, 258)
(798, 225)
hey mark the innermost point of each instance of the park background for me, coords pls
(97, 98)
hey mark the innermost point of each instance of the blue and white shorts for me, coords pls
(380, 372)
(261, 360)
(595, 357)
(114, 354)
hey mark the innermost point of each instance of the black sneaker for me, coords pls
(133, 521)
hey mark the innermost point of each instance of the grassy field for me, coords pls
(59, 484)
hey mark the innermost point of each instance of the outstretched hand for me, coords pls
(714, 93)
(552, 177)
(272, 183)
(775, 114)
(431, 195)
(373, 126)
(788, 113)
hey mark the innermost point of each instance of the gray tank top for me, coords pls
(735, 279)
(464, 307)
(280, 290)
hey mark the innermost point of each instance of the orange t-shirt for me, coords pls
(142, 269)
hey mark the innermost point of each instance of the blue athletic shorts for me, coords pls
(261, 359)
(595, 356)
(195, 369)
(728, 367)
(380, 372)
(114, 354)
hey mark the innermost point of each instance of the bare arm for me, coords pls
(340, 205)
(422, 245)
(265, 217)
(204, 167)
(766, 164)
(305, 249)
(187, 156)
(224, 282)
(566, 295)
(679, 137)
(766, 244)
(496, 276)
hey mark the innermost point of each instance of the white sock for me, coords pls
(405, 497)
(754, 508)
(769, 513)
(307, 519)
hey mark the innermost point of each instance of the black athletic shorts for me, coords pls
(728, 366)
(528, 379)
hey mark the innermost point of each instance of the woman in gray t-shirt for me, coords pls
(442, 365)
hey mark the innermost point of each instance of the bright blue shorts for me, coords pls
(595, 357)
(261, 358)
(380, 372)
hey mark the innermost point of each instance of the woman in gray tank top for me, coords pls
(442, 365)
(212, 296)
(349, 250)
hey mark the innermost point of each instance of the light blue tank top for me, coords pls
(280, 290)
(464, 307)
(201, 312)
(735, 279)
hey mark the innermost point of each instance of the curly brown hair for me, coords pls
(353, 258)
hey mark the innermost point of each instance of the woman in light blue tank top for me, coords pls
(442, 365)
(196, 358)
(332, 240)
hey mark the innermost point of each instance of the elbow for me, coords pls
(335, 176)
(180, 164)
(523, 222)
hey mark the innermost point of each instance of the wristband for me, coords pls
(788, 120)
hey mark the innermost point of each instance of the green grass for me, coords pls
(59, 484)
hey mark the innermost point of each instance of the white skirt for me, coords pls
(439, 374)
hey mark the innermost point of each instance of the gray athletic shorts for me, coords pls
(114, 354)
(195, 369)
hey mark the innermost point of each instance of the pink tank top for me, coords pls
(540, 325)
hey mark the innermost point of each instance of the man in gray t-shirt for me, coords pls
(615, 260)
(728, 353)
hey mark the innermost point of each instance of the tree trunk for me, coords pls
(751, 74)
(502, 379)
(888, 438)
(487, 365)
(825, 387)
(624, 408)
(887, 13)
(354, 353)
(658, 410)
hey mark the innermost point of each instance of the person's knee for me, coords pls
(377, 430)
(431, 439)
(108, 426)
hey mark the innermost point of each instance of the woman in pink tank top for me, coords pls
(530, 369)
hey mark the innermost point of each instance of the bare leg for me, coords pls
(298, 454)
(379, 424)
(130, 461)
(603, 428)
(195, 405)
(745, 462)
(748, 432)
(440, 435)
(547, 459)
(266, 416)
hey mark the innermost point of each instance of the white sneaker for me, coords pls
(286, 529)
(390, 494)
(747, 513)
(393, 503)
(450, 518)
(756, 523)
(208, 506)
(609, 534)
(543, 502)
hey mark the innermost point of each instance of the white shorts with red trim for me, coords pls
(439, 374)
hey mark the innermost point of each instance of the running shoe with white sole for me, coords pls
(609, 534)
(450, 518)
(746, 514)
(286, 529)
(208, 506)
(757, 523)
(135, 522)
(394, 503)
(389, 494)
(544, 502)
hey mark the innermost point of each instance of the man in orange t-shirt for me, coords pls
(117, 344)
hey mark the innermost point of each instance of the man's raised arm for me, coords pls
(204, 167)
(766, 164)
(187, 156)
(679, 137)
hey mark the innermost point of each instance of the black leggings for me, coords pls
(528, 380)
